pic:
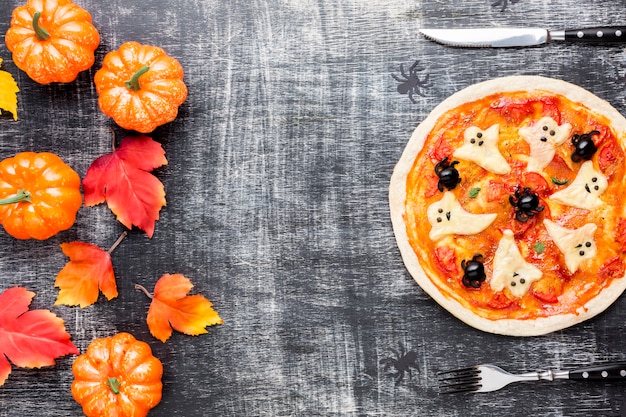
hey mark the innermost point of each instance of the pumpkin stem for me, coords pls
(133, 83)
(41, 33)
(114, 385)
(117, 242)
(142, 288)
(20, 197)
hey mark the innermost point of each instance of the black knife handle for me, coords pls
(609, 372)
(603, 34)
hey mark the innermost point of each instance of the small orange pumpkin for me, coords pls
(52, 40)
(39, 195)
(117, 376)
(140, 87)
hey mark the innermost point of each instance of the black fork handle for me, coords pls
(610, 372)
(601, 34)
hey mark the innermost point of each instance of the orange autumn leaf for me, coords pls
(89, 271)
(29, 338)
(171, 307)
(122, 178)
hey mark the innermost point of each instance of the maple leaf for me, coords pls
(171, 307)
(89, 271)
(122, 178)
(8, 93)
(29, 338)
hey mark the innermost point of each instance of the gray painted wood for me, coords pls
(277, 208)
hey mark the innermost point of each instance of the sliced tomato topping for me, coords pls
(611, 269)
(443, 149)
(620, 233)
(497, 191)
(546, 297)
(445, 258)
(610, 158)
(550, 108)
(558, 167)
(537, 183)
(547, 290)
(499, 301)
(431, 185)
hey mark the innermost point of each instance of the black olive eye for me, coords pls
(552, 133)
(479, 135)
(588, 244)
(594, 179)
(581, 253)
(440, 210)
(439, 220)
(513, 283)
(522, 281)
(472, 140)
(545, 128)
(597, 187)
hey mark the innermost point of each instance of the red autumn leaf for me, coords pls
(122, 178)
(29, 338)
(171, 307)
(89, 271)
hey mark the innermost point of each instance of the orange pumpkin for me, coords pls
(117, 376)
(39, 195)
(140, 87)
(52, 40)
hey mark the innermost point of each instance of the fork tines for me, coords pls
(460, 380)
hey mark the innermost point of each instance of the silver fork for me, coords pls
(486, 378)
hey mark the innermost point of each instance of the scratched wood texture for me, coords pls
(279, 165)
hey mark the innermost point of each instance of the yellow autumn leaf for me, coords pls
(8, 93)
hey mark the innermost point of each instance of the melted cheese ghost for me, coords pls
(584, 192)
(447, 217)
(576, 245)
(543, 137)
(510, 270)
(481, 147)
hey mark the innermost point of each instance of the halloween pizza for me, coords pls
(508, 205)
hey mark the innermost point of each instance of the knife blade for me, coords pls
(514, 36)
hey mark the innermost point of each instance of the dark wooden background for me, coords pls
(277, 208)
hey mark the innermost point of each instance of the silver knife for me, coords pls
(510, 37)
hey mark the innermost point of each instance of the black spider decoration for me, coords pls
(411, 83)
(447, 173)
(473, 271)
(503, 3)
(584, 148)
(402, 362)
(526, 204)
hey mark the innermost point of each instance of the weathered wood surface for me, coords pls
(277, 208)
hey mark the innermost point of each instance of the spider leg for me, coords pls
(521, 216)
(387, 363)
(404, 74)
(411, 97)
(424, 82)
(399, 378)
(413, 68)
(398, 79)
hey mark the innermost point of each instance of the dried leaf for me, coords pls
(171, 307)
(122, 178)
(89, 271)
(8, 93)
(29, 338)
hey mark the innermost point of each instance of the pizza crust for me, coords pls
(397, 197)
